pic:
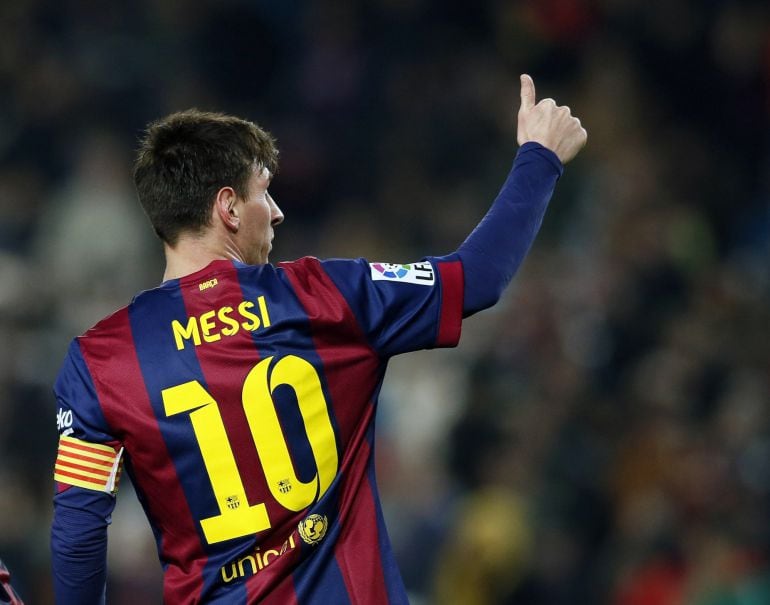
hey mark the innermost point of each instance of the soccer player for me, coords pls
(240, 396)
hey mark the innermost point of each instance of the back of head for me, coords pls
(185, 158)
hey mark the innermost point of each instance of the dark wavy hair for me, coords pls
(185, 158)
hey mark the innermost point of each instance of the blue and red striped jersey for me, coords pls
(241, 400)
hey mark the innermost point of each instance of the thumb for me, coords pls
(527, 92)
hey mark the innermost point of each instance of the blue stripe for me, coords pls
(163, 366)
(319, 581)
(74, 384)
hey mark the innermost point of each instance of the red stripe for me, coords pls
(352, 371)
(283, 594)
(85, 459)
(120, 387)
(86, 448)
(450, 318)
(80, 477)
(80, 467)
(361, 567)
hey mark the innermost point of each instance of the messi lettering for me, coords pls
(212, 325)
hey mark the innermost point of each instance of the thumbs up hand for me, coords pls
(546, 123)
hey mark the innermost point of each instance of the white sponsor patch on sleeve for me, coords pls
(413, 273)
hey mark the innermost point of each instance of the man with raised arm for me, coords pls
(240, 396)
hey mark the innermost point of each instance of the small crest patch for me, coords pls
(312, 529)
(412, 273)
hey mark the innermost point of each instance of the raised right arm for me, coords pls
(549, 137)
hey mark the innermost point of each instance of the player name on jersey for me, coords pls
(212, 325)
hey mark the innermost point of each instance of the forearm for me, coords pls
(79, 549)
(493, 252)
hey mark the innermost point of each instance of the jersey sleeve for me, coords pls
(403, 307)
(86, 472)
(88, 456)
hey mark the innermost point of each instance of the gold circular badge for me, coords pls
(313, 528)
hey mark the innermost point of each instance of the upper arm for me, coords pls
(403, 307)
(89, 456)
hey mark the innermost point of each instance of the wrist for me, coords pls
(534, 148)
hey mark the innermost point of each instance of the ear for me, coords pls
(226, 209)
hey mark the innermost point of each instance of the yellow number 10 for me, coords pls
(236, 516)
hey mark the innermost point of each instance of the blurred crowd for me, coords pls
(600, 437)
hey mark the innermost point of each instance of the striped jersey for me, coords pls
(241, 401)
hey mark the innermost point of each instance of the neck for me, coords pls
(191, 254)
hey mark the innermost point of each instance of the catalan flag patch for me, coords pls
(89, 465)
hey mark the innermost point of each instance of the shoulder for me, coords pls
(106, 325)
(314, 266)
(306, 263)
(107, 334)
(110, 339)
(303, 272)
(334, 275)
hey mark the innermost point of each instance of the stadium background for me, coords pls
(603, 435)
